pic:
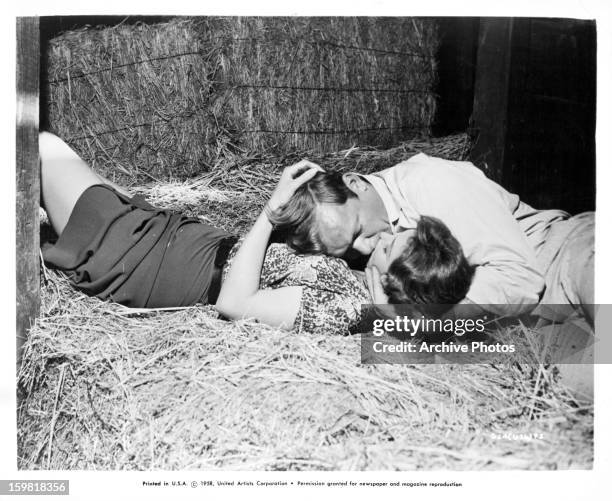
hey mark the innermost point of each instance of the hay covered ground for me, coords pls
(106, 387)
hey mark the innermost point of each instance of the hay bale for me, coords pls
(324, 84)
(128, 109)
(170, 100)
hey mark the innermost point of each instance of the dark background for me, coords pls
(526, 89)
(523, 87)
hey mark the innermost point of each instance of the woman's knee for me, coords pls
(64, 178)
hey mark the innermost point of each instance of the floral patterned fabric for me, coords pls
(331, 294)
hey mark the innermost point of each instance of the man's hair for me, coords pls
(298, 217)
(432, 269)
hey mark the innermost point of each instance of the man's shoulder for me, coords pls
(424, 167)
(412, 165)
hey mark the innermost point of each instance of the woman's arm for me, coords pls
(240, 296)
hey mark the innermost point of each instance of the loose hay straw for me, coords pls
(108, 387)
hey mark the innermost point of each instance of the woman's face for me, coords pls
(388, 248)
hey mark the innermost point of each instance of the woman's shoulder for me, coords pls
(332, 295)
(281, 263)
(305, 269)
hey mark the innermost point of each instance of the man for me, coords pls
(522, 256)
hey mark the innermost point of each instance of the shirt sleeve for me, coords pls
(327, 313)
(331, 294)
(278, 264)
(471, 206)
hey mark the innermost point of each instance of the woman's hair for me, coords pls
(297, 218)
(432, 269)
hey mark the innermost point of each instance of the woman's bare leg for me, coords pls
(64, 178)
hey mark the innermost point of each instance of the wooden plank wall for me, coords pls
(28, 184)
(550, 157)
(534, 109)
(491, 90)
(456, 67)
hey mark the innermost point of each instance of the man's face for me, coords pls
(355, 224)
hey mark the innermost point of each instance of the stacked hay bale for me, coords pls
(171, 100)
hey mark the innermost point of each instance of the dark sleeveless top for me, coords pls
(125, 250)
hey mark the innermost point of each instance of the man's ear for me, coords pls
(355, 182)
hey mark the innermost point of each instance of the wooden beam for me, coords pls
(491, 89)
(28, 180)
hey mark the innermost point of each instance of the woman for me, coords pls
(120, 248)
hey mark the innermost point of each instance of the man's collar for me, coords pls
(391, 207)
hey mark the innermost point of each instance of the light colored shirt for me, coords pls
(499, 234)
